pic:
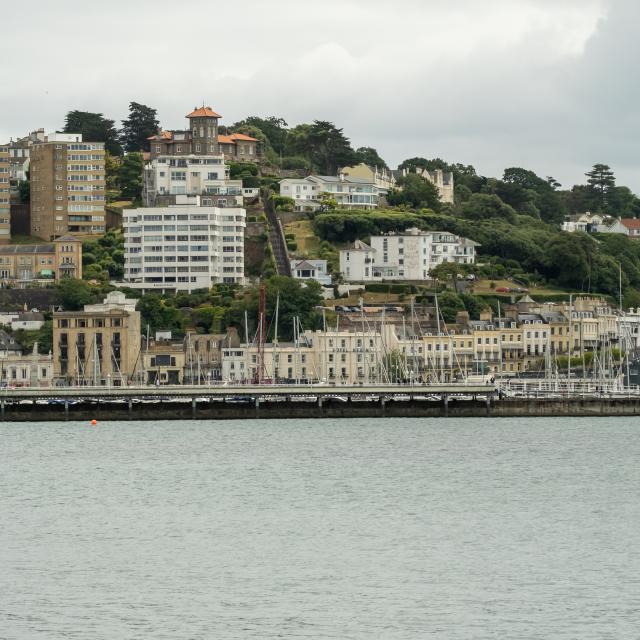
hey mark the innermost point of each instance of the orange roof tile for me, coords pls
(631, 223)
(163, 135)
(241, 136)
(199, 112)
(225, 139)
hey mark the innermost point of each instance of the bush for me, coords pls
(389, 287)
(296, 162)
(282, 203)
(250, 182)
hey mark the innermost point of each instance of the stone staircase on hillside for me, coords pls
(277, 239)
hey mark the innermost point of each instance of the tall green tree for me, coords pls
(94, 127)
(600, 181)
(141, 123)
(324, 144)
(371, 157)
(274, 129)
(130, 176)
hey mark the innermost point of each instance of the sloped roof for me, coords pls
(231, 139)
(206, 112)
(358, 245)
(303, 264)
(631, 223)
(242, 136)
(163, 135)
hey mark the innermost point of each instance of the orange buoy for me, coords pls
(94, 422)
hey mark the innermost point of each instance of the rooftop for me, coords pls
(203, 112)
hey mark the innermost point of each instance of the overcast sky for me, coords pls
(549, 85)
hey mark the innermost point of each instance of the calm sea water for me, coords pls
(321, 529)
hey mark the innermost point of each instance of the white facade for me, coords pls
(183, 247)
(351, 193)
(311, 270)
(408, 256)
(191, 175)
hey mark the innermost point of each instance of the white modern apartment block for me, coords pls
(348, 192)
(206, 176)
(183, 247)
(407, 256)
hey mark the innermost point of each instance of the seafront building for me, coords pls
(404, 256)
(99, 345)
(183, 247)
(203, 355)
(5, 199)
(67, 177)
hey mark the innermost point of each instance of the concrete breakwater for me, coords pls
(210, 409)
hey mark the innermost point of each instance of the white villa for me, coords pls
(311, 270)
(407, 256)
(348, 192)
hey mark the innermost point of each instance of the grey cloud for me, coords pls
(545, 84)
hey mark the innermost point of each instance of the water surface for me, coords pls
(350, 529)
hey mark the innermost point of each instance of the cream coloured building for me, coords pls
(100, 345)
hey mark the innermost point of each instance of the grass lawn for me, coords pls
(308, 243)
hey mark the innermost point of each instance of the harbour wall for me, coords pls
(218, 410)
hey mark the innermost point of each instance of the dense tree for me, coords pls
(159, 315)
(323, 144)
(370, 157)
(273, 128)
(94, 127)
(482, 206)
(416, 192)
(130, 176)
(74, 294)
(141, 123)
(297, 300)
(209, 319)
(43, 336)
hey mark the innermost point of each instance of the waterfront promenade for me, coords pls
(298, 401)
